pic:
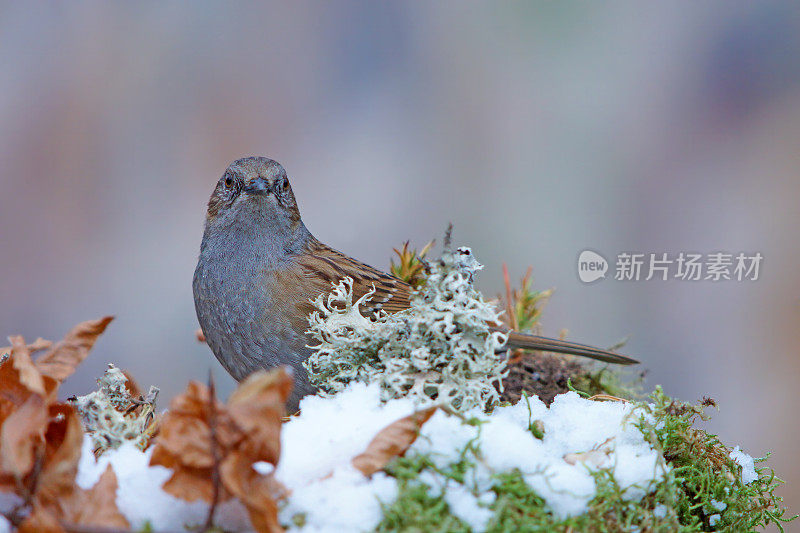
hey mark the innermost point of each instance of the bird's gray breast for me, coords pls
(242, 323)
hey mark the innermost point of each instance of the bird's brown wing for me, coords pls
(321, 267)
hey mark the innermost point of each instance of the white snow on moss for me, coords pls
(319, 443)
(747, 463)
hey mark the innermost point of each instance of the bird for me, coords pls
(259, 269)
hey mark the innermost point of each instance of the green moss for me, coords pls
(416, 510)
(517, 507)
(702, 491)
(705, 485)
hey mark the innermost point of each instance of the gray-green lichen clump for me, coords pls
(441, 348)
(111, 415)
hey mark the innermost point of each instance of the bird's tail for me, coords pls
(546, 344)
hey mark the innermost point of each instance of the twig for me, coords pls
(212, 424)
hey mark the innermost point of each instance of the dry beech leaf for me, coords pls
(21, 360)
(40, 439)
(40, 521)
(36, 346)
(392, 441)
(61, 455)
(246, 430)
(97, 506)
(185, 431)
(184, 445)
(80, 510)
(56, 498)
(257, 407)
(19, 379)
(61, 360)
(257, 492)
(23, 411)
(20, 436)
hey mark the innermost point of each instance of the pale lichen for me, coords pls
(443, 347)
(112, 414)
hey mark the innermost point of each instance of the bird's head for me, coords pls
(253, 192)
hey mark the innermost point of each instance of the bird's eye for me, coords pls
(228, 182)
(282, 184)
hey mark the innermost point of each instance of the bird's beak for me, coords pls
(257, 186)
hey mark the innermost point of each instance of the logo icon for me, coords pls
(591, 266)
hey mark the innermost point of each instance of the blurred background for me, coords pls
(539, 131)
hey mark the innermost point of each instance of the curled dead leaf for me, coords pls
(257, 492)
(257, 407)
(211, 447)
(40, 438)
(185, 434)
(62, 452)
(392, 441)
(36, 346)
(40, 520)
(24, 398)
(61, 360)
(20, 358)
(80, 510)
(97, 506)
(21, 435)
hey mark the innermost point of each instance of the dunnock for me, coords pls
(259, 267)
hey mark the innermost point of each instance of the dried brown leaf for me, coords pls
(185, 431)
(187, 483)
(61, 360)
(392, 441)
(257, 406)
(201, 441)
(62, 452)
(184, 442)
(21, 360)
(18, 376)
(257, 492)
(97, 506)
(40, 520)
(192, 484)
(23, 411)
(36, 346)
(21, 435)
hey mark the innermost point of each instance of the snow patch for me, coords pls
(747, 463)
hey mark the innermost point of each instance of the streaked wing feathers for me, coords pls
(324, 266)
